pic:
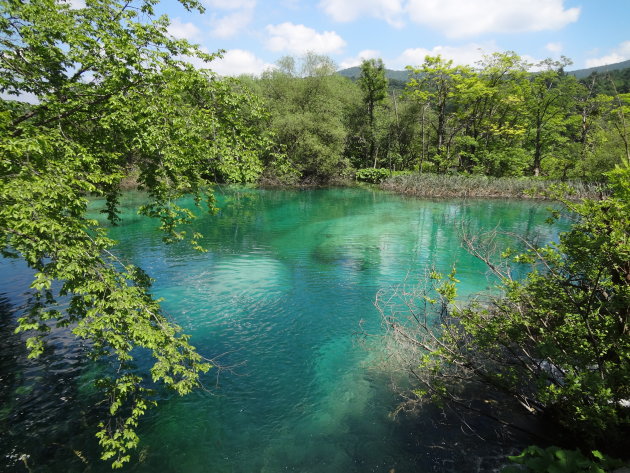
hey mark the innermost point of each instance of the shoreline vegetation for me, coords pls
(456, 186)
(441, 186)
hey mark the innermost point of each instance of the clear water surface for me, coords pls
(286, 286)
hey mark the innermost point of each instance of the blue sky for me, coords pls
(255, 33)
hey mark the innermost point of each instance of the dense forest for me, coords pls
(116, 99)
(497, 119)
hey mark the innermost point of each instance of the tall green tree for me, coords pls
(373, 84)
(308, 114)
(549, 96)
(621, 118)
(406, 130)
(437, 82)
(109, 93)
(493, 121)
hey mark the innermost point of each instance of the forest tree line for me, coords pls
(501, 117)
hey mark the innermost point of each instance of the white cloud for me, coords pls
(459, 18)
(467, 54)
(181, 30)
(618, 54)
(349, 10)
(238, 61)
(233, 63)
(230, 25)
(554, 47)
(298, 39)
(355, 61)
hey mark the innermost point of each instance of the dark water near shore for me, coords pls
(280, 297)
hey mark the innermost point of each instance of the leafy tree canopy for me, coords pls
(110, 91)
(308, 104)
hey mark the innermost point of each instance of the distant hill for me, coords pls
(355, 72)
(403, 76)
(581, 73)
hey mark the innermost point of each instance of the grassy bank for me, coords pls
(434, 185)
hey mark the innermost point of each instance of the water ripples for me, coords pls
(277, 300)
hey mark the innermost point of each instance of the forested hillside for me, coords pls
(609, 82)
(582, 73)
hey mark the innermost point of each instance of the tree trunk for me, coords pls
(422, 155)
(623, 131)
(537, 151)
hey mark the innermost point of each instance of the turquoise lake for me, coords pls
(280, 299)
